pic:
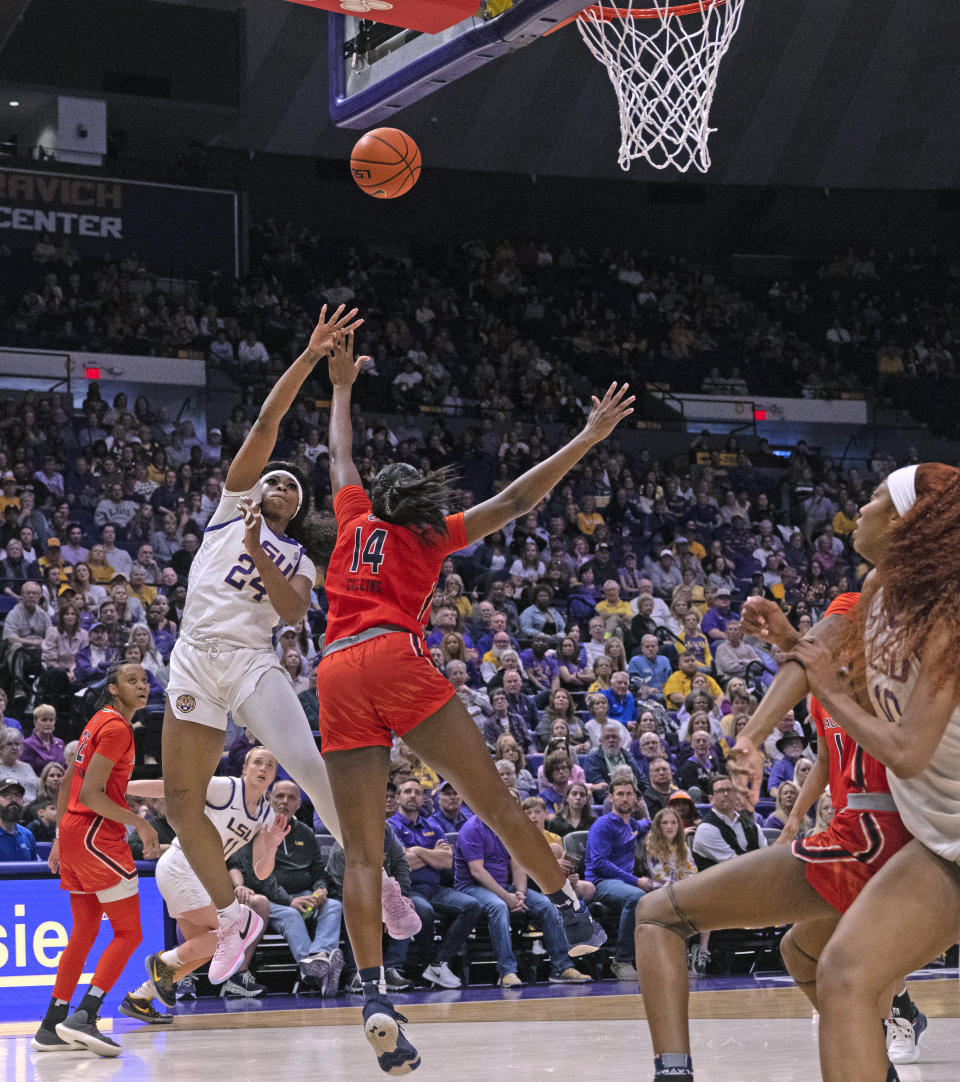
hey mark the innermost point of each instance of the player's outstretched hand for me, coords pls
(608, 412)
(251, 523)
(343, 368)
(745, 770)
(277, 831)
(321, 341)
(764, 618)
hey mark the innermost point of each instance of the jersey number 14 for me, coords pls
(370, 553)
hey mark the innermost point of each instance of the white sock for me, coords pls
(145, 991)
(171, 958)
(567, 889)
(230, 914)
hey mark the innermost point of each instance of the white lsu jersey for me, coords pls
(227, 810)
(226, 599)
(929, 804)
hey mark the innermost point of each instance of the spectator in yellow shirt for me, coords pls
(677, 687)
(589, 519)
(845, 520)
(615, 612)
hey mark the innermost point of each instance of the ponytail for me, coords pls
(401, 495)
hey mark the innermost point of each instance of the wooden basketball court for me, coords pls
(751, 1034)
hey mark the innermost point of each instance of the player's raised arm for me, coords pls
(523, 494)
(343, 371)
(262, 437)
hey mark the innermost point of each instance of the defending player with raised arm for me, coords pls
(249, 575)
(376, 677)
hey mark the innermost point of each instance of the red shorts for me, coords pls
(842, 859)
(94, 854)
(377, 688)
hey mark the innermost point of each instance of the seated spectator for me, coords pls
(791, 747)
(453, 595)
(51, 779)
(560, 708)
(603, 670)
(114, 508)
(593, 647)
(601, 762)
(610, 866)
(693, 641)
(90, 596)
(667, 857)
(491, 661)
(824, 813)
(575, 674)
(615, 612)
(660, 787)
(505, 721)
(164, 631)
(94, 659)
(129, 609)
(540, 668)
(292, 664)
(787, 724)
(11, 765)
(483, 869)
(15, 570)
(714, 623)
(557, 769)
(561, 742)
(541, 616)
(665, 576)
(645, 747)
(724, 832)
(600, 710)
(682, 802)
(629, 579)
(16, 842)
(733, 655)
(704, 762)
(787, 793)
(449, 815)
(453, 648)
(507, 748)
(102, 572)
(575, 812)
(680, 683)
(61, 644)
(477, 702)
(536, 811)
(6, 722)
(649, 666)
(43, 824)
(622, 705)
(529, 567)
(41, 746)
(428, 854)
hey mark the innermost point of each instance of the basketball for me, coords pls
(385, 163)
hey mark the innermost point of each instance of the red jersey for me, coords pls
(107, 733)
(381, 573)
(852, 770)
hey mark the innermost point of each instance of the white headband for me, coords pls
(273, 474)
(902, 486)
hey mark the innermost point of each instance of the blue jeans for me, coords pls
(464, 911)
(619, 895)
(291, 925)
(540, 910)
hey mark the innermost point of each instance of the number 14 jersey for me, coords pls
(382, 573)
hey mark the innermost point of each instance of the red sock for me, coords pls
(86, 911)
(124, 919)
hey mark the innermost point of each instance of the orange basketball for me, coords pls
(385, 163)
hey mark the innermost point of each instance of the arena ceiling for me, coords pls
(822, 93)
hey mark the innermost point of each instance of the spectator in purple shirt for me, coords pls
(482, 868)
(541, 670)
(610, 861)
(41, 746)
(714, 623)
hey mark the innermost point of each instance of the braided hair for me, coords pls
(400, 494)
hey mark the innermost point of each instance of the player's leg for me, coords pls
(801, 948)
(86, 912)
(191, 754)
(355, 774)
(450, 742)
(273, 714)
(915, 889)
(755, 890)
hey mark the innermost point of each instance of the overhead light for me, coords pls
(13, 104)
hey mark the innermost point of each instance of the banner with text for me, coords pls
(175, 231)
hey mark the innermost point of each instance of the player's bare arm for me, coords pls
(262, 437)
(93, 795)
(290, 597)
(523, 494)
(906, 744)
(343, 370)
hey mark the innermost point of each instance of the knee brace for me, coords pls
(676, 923)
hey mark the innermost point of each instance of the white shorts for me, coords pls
(204, 684)
(178, 884)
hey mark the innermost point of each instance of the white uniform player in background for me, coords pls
(241, 814)
(247, 577)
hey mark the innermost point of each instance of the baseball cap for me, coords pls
(10, 782)
(724, 591)
(214, 432)
(53, 542)
(96, 624)
(681, 540)
(446, 785)
(666, 552)
(286, 628)
(9, 475)
(680, 794)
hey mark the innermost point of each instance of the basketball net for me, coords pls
(662, 60)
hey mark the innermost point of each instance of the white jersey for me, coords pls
(226, 599)
(929, 804)
(227, 810)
